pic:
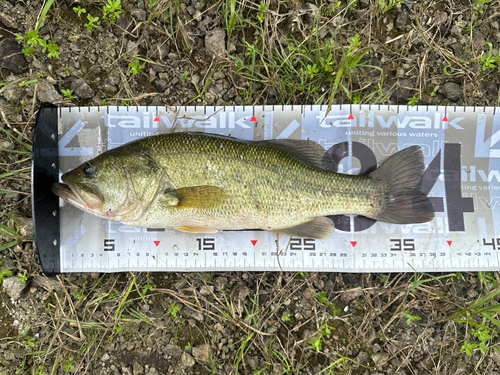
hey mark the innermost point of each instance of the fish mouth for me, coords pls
(82, 196)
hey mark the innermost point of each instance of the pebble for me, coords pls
(46, 93)
(186, 360)
(215, 42)
(137, 369)
(7, 262)
(105, 357)
(11, 57)
(82, 89)
(206, 290)
(202, 353)
(13, 287)
(451, 90)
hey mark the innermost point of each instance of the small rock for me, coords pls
(138, 14)
(137, 369)
(253, 362)
(196, 315)
(215, 42)
(161, 85)
(126, 371)
(309, 296)
(121, 25)
(349, 296)
(477, 41)
(402, 19)
(8, 21)
(202, 353)
(209, 98)
(451, 90)
(472, 293)
(25, 226)
(11, 57)
(6, 144)
(495, 356)
(82, 89)
(206, 290)
(7, 263)
(376, 348)
(362, 357)
(312, 13)
(105, 357)
(13, 93)
(13, 287)
(220, 283)
(186, 360)
(46, 93)
(172, 351)
(380, 359)
(328, 286)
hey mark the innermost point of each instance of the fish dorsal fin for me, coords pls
(306, 151)
(198, 197)
(318, 227)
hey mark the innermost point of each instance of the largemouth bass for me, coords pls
(202, 183)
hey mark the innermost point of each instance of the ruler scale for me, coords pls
(462, 178)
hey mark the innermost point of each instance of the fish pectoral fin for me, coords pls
(318, 227)
(191, 229)
(198, 197)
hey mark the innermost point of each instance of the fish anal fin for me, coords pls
(196, 197)
(318, 227)
(192, 229)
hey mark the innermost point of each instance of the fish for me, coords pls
(204, 183)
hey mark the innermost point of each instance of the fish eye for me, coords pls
(89, 170)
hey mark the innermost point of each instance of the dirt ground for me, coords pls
(228, 52)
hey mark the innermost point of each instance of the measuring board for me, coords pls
(462, 157)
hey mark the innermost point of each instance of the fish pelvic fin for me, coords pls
(198, 197)
(317, 227)
(400, 176)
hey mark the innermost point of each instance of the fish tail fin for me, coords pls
(403, 202)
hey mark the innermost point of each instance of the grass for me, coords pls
(289, 321)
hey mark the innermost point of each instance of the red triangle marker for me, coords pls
(351, 117)
(354, 243)
(157, 119)
(253, 119)
(445, 118)
(156, 243)
(449, 243)
(254, 242)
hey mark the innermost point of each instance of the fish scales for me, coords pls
(267, 187)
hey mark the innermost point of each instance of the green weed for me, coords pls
(386, 5)
(91, 25)
(321, 336)
(489, 60)
(413, 100)
(410, 318)
(4, 273)
(478, 6)
(79, 10)
(111, 11)
(173, 309)
(68, 94)
(286, 317)
(135, 67)
(23, 277)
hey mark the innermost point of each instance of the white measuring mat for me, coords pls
(462, 157)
